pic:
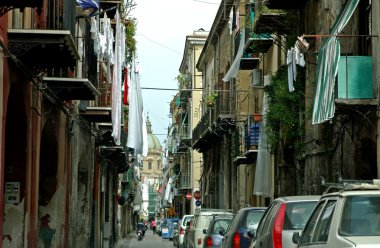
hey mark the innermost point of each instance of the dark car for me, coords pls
(213, 238)
(246, 219)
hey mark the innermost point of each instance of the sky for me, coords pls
(162, 27)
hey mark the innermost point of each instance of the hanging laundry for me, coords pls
(294, 57)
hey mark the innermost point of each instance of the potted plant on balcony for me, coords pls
(211, 99)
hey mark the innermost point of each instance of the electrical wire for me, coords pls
(159, 44)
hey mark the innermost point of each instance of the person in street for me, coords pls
(140, 226)
(153, 225)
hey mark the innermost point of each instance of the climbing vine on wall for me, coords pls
(285, 112)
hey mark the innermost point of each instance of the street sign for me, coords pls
(198, 203)
(197, 194)
(188, 196)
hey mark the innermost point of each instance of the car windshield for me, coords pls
(219, 225)
(205, 222)
(297, 214)
(253, 218)
(361, 216)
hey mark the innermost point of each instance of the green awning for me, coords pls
(328, 61)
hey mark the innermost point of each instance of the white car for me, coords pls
(344, 219)
(202, 220)
(182, 228)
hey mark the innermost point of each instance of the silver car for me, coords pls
(282, 218)
(348, 218)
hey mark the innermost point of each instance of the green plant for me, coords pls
(285, 113)
(211, 98)
(125, 112)
(130, 40)
(183, 80)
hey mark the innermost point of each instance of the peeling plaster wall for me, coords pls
(52, 219)
(13, 225)
(82, 171)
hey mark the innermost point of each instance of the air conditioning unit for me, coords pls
(257, 77)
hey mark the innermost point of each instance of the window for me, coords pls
(309, 229)
(158, 165)
(360, 216)
(322, 228)
(149, 165)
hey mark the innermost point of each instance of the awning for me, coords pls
(43, 47)
(72, 88)
(327, 68)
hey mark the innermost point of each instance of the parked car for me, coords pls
(347, 218)
(246, 219)
(213, 237)
(202, 219)
(282, 218)
(182, 229)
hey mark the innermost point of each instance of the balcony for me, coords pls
(270, 21)
(258, 43)
(43, 47)
(249, 61)
(185, 181)
(217, 120)
(255, 43)
(71, 88)
(247, 142)
(110, 6)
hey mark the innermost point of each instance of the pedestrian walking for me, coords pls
(153, 225)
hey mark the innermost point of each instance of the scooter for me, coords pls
(139, 235)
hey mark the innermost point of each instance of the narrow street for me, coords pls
(150, 240)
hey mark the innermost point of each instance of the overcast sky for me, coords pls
(162, 27)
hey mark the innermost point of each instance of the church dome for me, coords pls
(153, 142)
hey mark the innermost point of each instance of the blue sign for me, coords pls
(198, 203)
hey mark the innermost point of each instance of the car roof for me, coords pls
(344, 193)
(252, 208)
(298, 198)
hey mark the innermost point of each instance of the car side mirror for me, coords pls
(204, 231)
(251, 234)
(222, 232)
(296, 237)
